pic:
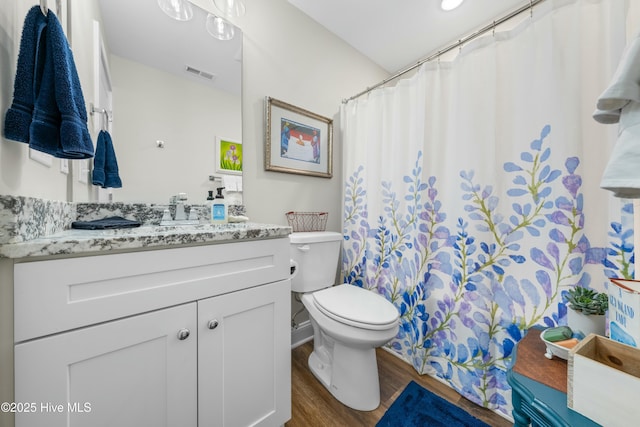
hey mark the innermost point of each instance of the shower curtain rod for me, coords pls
(529, 6)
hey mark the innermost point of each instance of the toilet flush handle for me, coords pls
(303, 248)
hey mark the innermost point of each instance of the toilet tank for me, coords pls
(315, 256)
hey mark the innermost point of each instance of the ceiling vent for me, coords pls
(203, 74)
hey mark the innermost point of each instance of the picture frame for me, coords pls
(228, 156)
(297, 141)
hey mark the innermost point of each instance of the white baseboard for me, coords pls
(301, 334)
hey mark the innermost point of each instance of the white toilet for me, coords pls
(348, 322)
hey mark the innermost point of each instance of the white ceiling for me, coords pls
(397, 33)
(138, 30)
(392, 33)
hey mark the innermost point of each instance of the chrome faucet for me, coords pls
(180, 217)
(179, 202)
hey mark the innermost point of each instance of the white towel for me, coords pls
(620, 103)
(232, 183)
(622, 174)
(624, 87)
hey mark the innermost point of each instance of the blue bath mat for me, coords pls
(418, 407)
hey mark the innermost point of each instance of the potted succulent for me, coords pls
(587, 309)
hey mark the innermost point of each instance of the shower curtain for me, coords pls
(471, 193)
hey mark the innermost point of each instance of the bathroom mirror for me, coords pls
(176, 92)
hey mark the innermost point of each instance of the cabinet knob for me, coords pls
(183, 334)
(212, 324)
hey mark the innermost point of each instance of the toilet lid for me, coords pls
(355, 306)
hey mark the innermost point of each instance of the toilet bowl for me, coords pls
(348, 322)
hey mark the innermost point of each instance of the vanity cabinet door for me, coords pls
(138, 371)
(244, 357)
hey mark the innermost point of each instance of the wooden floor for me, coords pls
(314, 406)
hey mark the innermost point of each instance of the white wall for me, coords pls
(289, 57)
(83, 13)
(151, 105)
(19, 175)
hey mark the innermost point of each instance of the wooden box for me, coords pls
(603, 381)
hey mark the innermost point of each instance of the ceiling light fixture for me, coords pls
(180, 10)
(450, 4)
(219, 28)
(230, 8)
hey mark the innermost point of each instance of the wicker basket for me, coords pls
(307, 221)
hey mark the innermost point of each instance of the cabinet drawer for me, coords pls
(57, 295)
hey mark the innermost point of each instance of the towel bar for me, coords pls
(107, 114)
(45, 9)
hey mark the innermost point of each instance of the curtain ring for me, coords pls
(493, 30)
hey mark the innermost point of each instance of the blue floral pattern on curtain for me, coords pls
(457, 282)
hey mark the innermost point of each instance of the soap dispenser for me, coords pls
(219, 210)
(209, 204)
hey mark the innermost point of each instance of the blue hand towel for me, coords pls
(30, 64)
(112, 176)
(97, 176)
(105, 165)
(59, 125)
(106, 223)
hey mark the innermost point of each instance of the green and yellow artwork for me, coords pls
(229, 156)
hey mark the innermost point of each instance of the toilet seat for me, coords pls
(355, 306)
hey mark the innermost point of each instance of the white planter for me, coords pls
(586, 323)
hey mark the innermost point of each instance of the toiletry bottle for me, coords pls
(219, 213)
(209, 205)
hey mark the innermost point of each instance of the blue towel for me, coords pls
(112, 175)
(29, 71)
(98, 176)
(106, 223)
(58, 125)
(105, 166)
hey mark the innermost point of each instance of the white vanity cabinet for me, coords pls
(244, 357)
(192, 336)
(129, 372)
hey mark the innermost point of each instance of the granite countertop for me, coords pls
(75, 241)
(31, 227)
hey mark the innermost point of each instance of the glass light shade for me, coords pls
(219, 28)
(450, 4)
(230, 8)
(179, 10)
